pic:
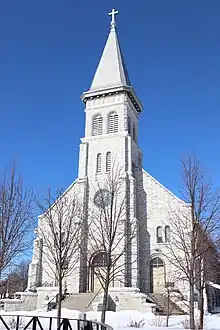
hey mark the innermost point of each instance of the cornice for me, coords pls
(128, 90)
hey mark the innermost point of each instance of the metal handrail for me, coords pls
(155, 301)
(94, 297)
(63, 297)
(52, 300)
(64, 324)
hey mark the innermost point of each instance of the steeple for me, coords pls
(111, 70)
(111, 74)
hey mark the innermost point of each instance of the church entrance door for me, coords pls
(157, 275)
(97, 271)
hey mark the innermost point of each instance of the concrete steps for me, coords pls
(162, 305)
(80, 301)
(130, 299)
(85, 302)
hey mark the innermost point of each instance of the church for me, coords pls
(113, 109)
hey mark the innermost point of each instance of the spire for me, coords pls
(111, 74)
(111, 71)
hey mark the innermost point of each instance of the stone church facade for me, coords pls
(112, 112)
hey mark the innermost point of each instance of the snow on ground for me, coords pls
(124, 320)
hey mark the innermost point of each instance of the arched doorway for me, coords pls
(157, 275)
(97, 271)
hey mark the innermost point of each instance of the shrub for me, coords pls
(158, 322)
(136, 324)
(186, 325)
(12, 323)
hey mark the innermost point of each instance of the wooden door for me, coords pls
(158, 280)
(98, 272)
(157, 275)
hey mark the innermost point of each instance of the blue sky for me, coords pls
(49, 50)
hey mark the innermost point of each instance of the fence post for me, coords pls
(50, 324)
(81, 323)
(88, 325)
(17, 323)
(34, 323)
(78, 324)
(65, 324)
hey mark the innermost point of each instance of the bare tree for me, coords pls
(59, 228)
(18, 278)
(169, 283)
(193, 229)
(168, 305)
(168, 288)
(16, 219)
(3, 288)
(207, 266)
(111, 233)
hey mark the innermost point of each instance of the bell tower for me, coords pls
(111, 135)
(112, 108)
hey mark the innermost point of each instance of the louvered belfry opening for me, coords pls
(99, 163)
(97, 125)
(108, 161)
(113, 122)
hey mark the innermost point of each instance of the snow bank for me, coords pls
(72, 314)
(124, 320)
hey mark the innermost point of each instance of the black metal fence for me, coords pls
(25, 322)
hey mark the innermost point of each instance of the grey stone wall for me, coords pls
(143, 235)
(83, 268)
(28, 302)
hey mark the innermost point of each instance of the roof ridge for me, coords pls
(163, 187)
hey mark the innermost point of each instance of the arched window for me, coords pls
(159, 234)
(98, 264)
(100, 260)
(108, 161)
(157, 262)
(134, 132)
(99, 163)
(97, 125)
(129, 125)
(113, 122)
(167, 234)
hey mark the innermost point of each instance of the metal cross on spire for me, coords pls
(112, 14)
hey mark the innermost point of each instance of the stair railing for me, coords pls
(93, 298)
(56, 296)
(156, 302)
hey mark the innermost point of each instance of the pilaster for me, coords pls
(83, 196)
(143, 238)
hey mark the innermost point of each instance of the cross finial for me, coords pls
(112, 14)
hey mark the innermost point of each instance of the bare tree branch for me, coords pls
(60, 228)
(194, 230)
(108, 230)
(16, 219)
